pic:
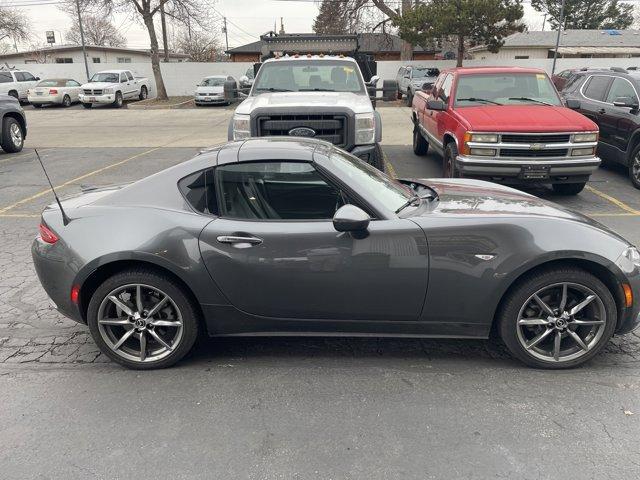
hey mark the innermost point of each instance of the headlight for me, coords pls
(580, 152)
(365, 128)
(585, 137)
(107, 90)
(484, 137)
(629, 260)
(241, 127)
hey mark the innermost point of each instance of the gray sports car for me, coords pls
(296, 237)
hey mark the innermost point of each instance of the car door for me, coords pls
(435, 120)
(274, 252)
(618, 123)
(593, 93)
(134, 91)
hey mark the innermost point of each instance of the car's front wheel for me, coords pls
(449, 169)
(634, 167)
(377, 158)
(66, 101)
(143, 93)
(557, 318)
(118, 101)
(142, 319)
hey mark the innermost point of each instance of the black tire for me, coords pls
(87, 105)
(37, 105)
(151, 278)
(449, 169)
(634, 167)
(12, 135)
(143, 93)
(516, 299)
(409, 98)
(14, 94)
(398, 94)
(420, 145)
(118, 102)
(377, 158)
(66, 101)
(568, 188)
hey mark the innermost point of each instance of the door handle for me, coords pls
(234, 239)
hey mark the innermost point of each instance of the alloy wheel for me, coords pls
(635, 167)
(16, 134)
(561, 322)
(140, 323)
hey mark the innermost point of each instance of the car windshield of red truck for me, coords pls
(505, 89)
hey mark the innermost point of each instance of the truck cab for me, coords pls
(506, 125)
(317, 96)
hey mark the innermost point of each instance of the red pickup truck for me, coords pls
(507, 125)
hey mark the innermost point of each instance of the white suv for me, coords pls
(16, 83)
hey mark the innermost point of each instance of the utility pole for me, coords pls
(165, 44)
(84, 49)
(560, 26)
(224, 29)
(544, 21)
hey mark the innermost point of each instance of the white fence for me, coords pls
(181, 78)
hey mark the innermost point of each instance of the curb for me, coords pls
(158, 107)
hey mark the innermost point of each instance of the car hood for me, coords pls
(358, 103)
(524, 118)
(219, 89)
(98, 85)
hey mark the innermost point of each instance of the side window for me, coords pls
(596, 87)
(123, 78)
(199, 191)
(401, 72)
(19, 76)
(27, 77)
(129, 76)
(445, 90)
(275, 191)
(621, 88)
(5, 77)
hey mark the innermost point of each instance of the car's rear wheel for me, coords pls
(87, 105)
(557, 318)
(420, 145)
(12, 135)
(143, 93)
(66, 101)
(142, 319)
(634, 167)
(568, 188)
(118, 101)
(449, 169)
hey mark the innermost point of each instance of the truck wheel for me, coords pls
(143, 93)
(87, 105)
(568, 188)
(12, 136)
(420, 145)
(66, 101)
(409, 98)
(377, 158)
(118, 101)
(634, 167)
(449, 169)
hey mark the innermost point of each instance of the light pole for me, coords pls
(560, 26)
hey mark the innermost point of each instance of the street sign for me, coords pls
(51, 36)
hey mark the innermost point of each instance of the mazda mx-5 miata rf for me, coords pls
(274, 236)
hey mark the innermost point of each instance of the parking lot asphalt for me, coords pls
(284, 408)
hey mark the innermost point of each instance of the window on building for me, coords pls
(124, 59)
(96, 59)
(64, 60)
(522, 57)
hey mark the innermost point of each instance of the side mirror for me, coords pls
(625, 102)
(572, 103)
(37, 78)
(437, 105)
(374, 80)
(427, 86)
(350, 218)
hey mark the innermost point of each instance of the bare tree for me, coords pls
(98, 30)
(200, 46)
(14, 24)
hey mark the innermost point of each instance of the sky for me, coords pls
(246, 19)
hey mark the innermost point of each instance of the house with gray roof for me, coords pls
(573, 44)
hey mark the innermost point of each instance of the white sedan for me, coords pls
(55, 91)
(211, 90)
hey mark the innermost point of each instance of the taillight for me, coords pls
(53, 91)
(47, 235)
(75, 294)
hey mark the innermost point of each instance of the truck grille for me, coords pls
(329, 127)
(88, 91)
(552, 152)
(555, 138)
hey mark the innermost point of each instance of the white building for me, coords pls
(95, 54)
(573, 44)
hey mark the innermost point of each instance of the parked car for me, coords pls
(286, 236)
(413, 78)
(16, 83)
(55, 91)
(560, 79)
(610, 98)
(318, 96)
(211, 90)
(113, 87)
(505, 124)
(247, 79)
(14, 124)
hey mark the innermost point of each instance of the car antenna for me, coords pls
(65, 219)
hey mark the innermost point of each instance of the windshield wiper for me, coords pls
(413, 200)
(474, 99)
(527, 99)
(316, 90)
(273, 89)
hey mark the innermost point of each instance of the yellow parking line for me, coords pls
(388, 167)
(613, 200)
(75, 180)
(13, 157)
(612, 214)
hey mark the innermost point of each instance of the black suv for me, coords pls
(610, 99)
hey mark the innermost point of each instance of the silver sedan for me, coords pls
(54, 91)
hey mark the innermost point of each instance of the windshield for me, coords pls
(213, 82)
(505, 89)
(307, 76)
(366, 178)
(51, 83)
(424, 72)
(108, 77)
